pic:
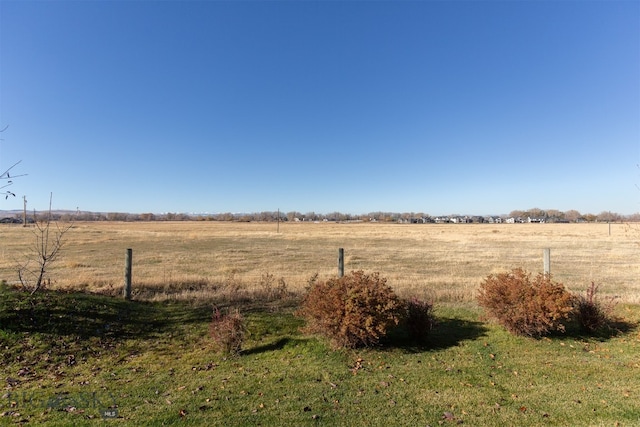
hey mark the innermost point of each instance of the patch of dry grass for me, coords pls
(440, 262)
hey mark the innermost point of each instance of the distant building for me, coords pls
(535, 220)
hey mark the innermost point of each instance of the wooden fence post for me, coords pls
(127, 274)
(547, 261)
(340, 262)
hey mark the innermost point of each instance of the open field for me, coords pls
(441, 262)
(72, 358)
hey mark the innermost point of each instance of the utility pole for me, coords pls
(24, 211)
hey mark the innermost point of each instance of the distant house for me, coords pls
(418, 221)
(460, 220)
(535, 220)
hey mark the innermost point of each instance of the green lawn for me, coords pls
(69, 357)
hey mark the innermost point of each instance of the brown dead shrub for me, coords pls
(356, 310)
(418, 319)
(227, 331)
(592, 312)
(526, 306)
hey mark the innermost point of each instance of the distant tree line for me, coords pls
(549, 215)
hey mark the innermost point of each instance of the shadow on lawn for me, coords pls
(87, 315)
(611, 329)
(276, 345)
(449, 332)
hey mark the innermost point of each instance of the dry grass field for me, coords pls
(68, 358)
(441, 262)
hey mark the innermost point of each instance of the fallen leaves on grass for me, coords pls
(450, 417)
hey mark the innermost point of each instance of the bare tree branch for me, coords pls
(7, 176)
(46, 248)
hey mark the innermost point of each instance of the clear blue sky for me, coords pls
(479, 107)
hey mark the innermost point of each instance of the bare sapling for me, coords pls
(46, 247)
